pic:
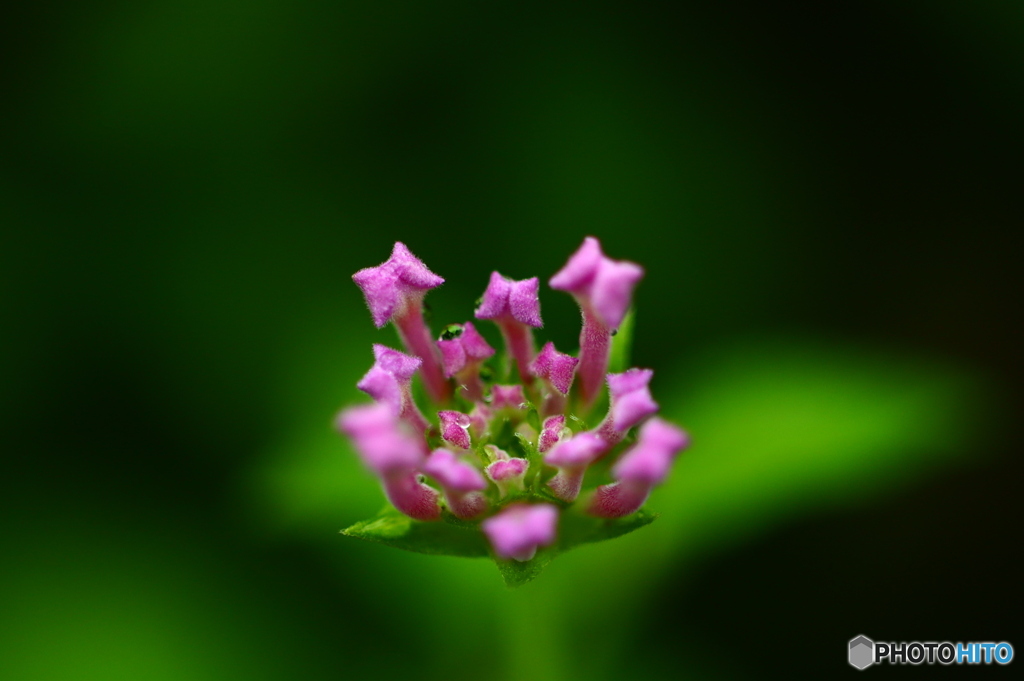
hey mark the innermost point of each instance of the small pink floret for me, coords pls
(383, 387)
(452, 473)
(389, 377)
(468, 348)
(506, 472)
(555, 367)
(580, 450)
(551, 432)
(506, 298)
(401, 365)
(636, 473)
(631, 398)
(650, 459)
(387, 286)
(502, 471)
(600, 283)
(520, 529)
(572, 457)
(581, 268)
(455, 428)
(381, 440)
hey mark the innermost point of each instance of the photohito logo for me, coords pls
(863, 652)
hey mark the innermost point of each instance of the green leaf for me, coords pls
(622, 344)
(454, 537)
(574, 530)
(438, 538)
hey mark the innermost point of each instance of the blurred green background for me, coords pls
(825, 199)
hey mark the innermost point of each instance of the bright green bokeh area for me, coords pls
(135, 604)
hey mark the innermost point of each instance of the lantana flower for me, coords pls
(502, 448)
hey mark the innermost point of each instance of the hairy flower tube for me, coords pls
(504, 444)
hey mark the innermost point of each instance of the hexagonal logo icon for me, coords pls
(862, 652)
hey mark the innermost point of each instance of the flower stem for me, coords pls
(595, 347)
(418, 340)
(519, 343)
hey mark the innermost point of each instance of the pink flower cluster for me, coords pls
(509, 454)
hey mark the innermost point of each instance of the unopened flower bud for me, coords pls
(455, 428)
(505, 471)
(551, 432)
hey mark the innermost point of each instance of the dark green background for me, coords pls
(826, 200)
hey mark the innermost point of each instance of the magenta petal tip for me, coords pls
(579, 450)
(386, 286)
(555, 367)
(453, 473)
(379, 437)
(401, 365)
(603, 284)
(631, 398)
(505, 298)
(648, 462)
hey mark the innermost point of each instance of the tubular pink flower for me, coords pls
(604, 290)
(557, 370)
(506, 472)
(390, 381)
(631, 403)
(461, 482)
(520, 529)
(551, 432)
(572, 457)
(515, 308)
(394, 292)
(394, 454)
(463, 350)
(455, 428)
(636, 473)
